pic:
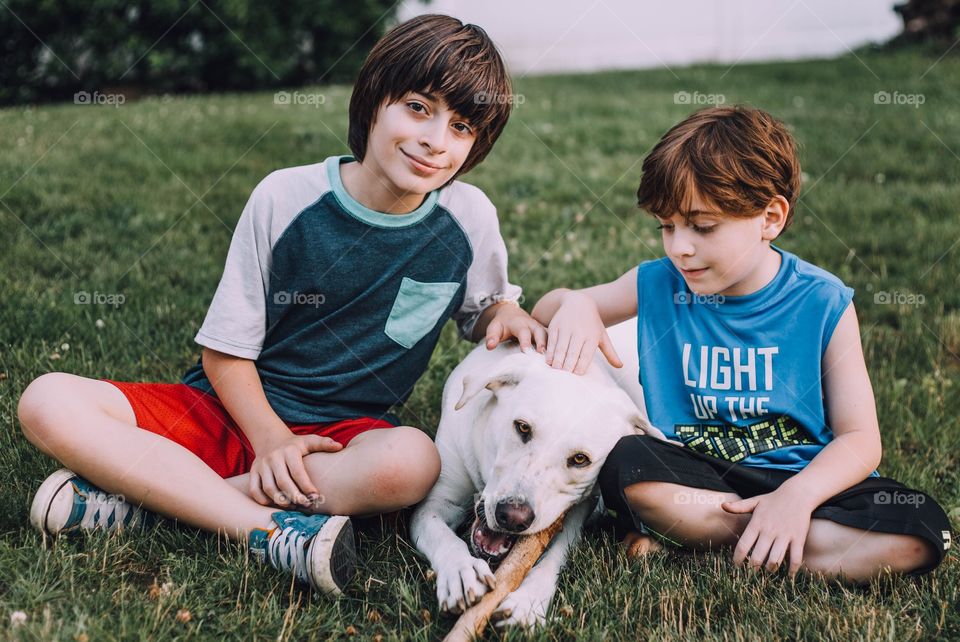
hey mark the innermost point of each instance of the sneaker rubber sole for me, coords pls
(43, 500)
(333, 556)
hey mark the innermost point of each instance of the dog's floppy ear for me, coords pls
(509, 372)
(643, 426)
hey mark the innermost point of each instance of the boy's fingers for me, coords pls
(760, 551)
(796, 556)
(777, 553)
(552, 337)
(540, 336)
(269, 486)
(494, 332)
(566, 360)
(298, 471)
(255, 489)
(744, 545)
(320, 444)
(585, 358)
(572, 354)
(560, 346)
(740, 506)
(606, 347)
(524, 337)
(287, 489)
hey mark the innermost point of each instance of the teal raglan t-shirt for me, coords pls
(740, 377)
(339, 306)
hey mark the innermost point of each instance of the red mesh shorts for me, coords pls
(199, 422)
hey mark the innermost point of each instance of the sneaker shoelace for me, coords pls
(287, 549)
(288, 552)
(97, 509)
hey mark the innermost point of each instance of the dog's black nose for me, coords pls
(514, 516)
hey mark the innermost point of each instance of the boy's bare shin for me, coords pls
(690, 516)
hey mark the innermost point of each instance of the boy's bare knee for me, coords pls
(39, 405)
(908, 553)
(412, 468)
(870, 556)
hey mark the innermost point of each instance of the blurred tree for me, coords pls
(930, 20)
(50, 49)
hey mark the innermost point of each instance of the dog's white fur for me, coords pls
(485, 460)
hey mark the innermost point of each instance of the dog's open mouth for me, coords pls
(489, 545)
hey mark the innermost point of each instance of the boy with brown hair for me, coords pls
(338, 281)
(751, 360)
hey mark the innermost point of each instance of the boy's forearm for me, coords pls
(237, 384)
(548, 305)
(844, 462)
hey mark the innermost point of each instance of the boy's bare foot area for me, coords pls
(636, 545)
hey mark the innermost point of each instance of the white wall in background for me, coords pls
(539, 36)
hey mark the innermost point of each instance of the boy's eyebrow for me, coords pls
(693, 213)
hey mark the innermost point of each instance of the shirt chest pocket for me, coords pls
(417, 309)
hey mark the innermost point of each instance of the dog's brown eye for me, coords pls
(579, 460)
(523, 429)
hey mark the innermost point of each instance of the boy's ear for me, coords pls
(775, 217)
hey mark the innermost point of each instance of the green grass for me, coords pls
(102, 199)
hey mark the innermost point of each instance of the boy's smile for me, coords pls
(415, 146)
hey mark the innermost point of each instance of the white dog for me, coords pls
(520, 444)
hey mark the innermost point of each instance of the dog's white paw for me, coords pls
(462, 583)
(523, 608)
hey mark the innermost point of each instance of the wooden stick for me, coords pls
(515, 566)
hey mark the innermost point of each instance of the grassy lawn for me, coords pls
(138, 203)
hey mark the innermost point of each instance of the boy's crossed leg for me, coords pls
(382, 470)
(693, 517)
(91, 427)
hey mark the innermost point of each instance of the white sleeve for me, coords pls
(236, 321)
(487, 281)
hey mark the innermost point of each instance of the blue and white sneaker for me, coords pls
(316, 549)
(65, 502)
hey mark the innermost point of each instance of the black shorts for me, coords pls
(876, 504)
